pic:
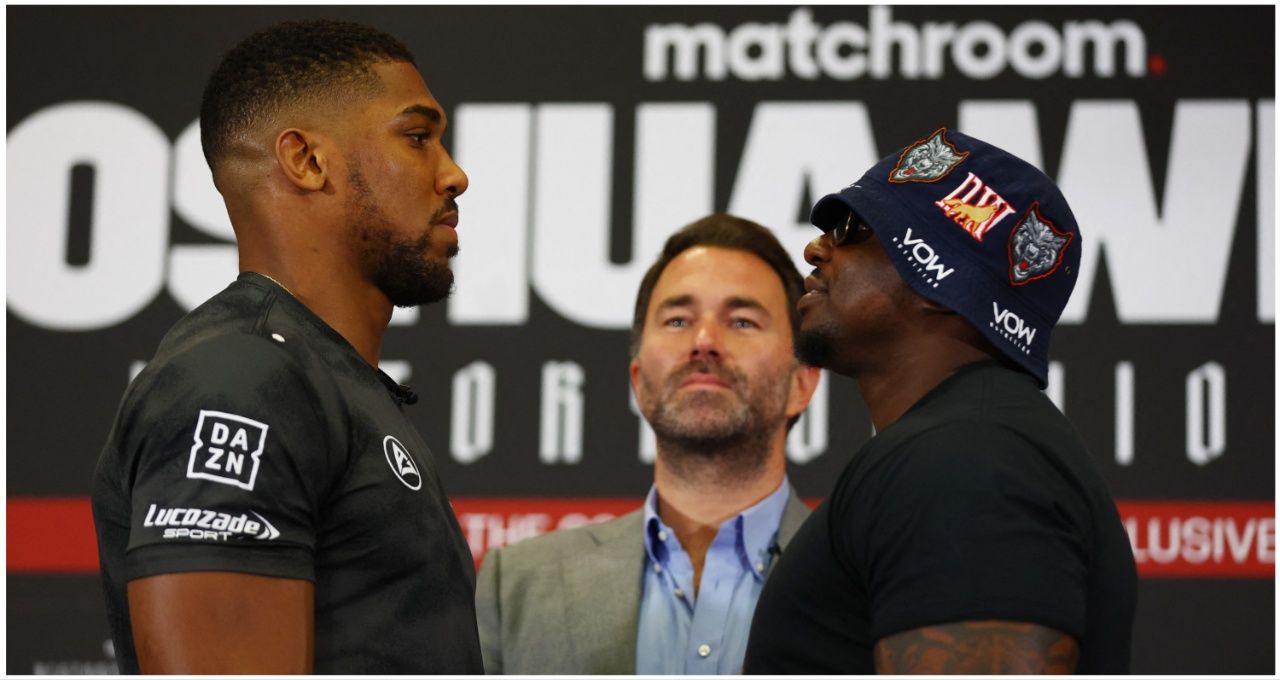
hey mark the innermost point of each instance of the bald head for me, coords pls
(272, 76)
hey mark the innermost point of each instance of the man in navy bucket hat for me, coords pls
(972, 534)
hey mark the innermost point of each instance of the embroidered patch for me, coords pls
(1036, 248)
(975, 207)
(928, 160)
(401, 463)
(227, 449)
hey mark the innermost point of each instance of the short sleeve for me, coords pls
(230, 455)
(972, 522)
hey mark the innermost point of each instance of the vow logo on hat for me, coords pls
(927, 262)
(975, 206)
(1012, 327)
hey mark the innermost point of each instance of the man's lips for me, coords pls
(703, 380)
(449, 219)
(813, 285)
(813, 290)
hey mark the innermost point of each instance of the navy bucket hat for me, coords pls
(975, 229)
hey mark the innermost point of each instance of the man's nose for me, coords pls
(818, 250)
(451, 179)
(707, 340)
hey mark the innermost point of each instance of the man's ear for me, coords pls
(634, 371)
(301, 159)
(804, 380)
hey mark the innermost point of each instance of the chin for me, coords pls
(815, 346)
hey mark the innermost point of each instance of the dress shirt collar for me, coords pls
(757, 526)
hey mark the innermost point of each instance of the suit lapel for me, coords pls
(602, 596)
(793, 515)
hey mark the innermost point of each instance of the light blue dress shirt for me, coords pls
(681, 635)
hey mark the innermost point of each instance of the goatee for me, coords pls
(815, 346)
(400, 266)
(710, 432)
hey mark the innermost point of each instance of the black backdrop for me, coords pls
(590, 133)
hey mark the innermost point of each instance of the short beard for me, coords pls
(400, 267)
(731, 444)
(816, 346)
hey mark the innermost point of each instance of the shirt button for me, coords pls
(760, 567)
(657, 568)
(679, 592)
(662, 535)
(704, 650)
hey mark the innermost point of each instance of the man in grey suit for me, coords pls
(671, 587)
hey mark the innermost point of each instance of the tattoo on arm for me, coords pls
(978, 648)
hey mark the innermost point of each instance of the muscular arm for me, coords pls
(978, 648)
(223, 623)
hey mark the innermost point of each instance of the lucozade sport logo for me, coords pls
(210, 525)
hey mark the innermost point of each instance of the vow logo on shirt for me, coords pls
(227, 449)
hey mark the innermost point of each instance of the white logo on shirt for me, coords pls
(402, 463)
(208, 525)
(227, 449)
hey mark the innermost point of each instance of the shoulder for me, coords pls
(969, 465)
(968, 471)
(959, 453)
(225, 366)
(546, 551)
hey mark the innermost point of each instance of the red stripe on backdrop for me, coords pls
(51, 535)
(1201, 539)
(1171, 539)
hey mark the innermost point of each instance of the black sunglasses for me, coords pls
(852, 230)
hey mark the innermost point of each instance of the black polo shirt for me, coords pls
(257, 440)
(981, 502)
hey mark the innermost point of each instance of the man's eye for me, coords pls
(744, 323)
(676, 322)
(419, 137)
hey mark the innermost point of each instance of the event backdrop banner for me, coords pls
(590, 134)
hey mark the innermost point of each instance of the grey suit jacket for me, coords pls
(568, 603)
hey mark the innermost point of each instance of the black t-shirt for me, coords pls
(979, 503)
(258, 441)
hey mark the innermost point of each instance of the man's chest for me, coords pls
(387, 504)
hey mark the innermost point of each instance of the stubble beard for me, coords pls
(708, 435)
(398, 266)
(816, 346)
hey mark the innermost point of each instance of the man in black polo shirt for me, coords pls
(263, 504)
(972, 534)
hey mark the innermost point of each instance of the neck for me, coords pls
(895, 384)
(357, 310)
(697, 493)
(300, 240)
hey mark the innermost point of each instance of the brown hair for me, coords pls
(722, 230)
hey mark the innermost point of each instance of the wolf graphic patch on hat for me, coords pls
(975, 229)
(928, 160)
(1035, 248)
